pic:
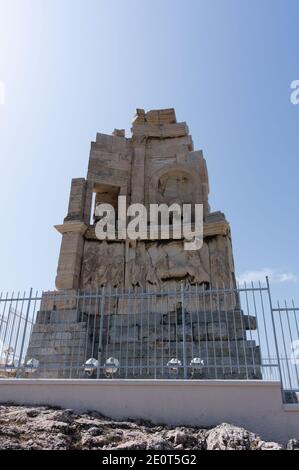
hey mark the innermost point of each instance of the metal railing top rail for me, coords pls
(136, 290)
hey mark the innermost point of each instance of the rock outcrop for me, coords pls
(45, 428)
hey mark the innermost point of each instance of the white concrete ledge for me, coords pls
(142, 382)
(291, 407)
(253, 404)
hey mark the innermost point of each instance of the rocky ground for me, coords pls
(49, 428)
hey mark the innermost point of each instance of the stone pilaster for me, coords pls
(71, 252)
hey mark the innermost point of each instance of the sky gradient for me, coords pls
(74, 68)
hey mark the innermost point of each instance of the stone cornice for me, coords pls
(72, 226)
(210, 229)
(220, 227)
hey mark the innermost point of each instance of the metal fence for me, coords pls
(16, 322)
(189, 332)
(286, 327)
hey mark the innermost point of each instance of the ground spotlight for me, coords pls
(10, 368)
(197, 365)
(174, 366)
(111, 366)
(31, 366)
(91, 366)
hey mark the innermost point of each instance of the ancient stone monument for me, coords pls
(157, 164)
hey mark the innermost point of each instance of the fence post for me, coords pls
(275, 336)
(101, 331)
(24, 333)
(184, 331)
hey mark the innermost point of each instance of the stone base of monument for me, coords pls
(145, 342)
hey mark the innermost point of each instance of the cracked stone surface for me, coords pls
(47, 428)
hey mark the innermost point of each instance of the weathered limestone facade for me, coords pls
(157, 164)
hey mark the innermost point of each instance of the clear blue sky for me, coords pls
(72, 68)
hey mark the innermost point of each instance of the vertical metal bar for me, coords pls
(3, 313)
(162, 303)
(297, 331)
(141, 331)
(243, 339)
(206, 328)
(291, 338)
(81, 339)
(66, 349)
(195, 325)
(249, 325)
(134, 327)
(295, 317)
(1, 295)
(33, 317)
(42, 323)
(7, 327)
(220, 327)
(184, 331)
(12, 299)
(108, 321)
(284, 378)
(87, 336)
(257, 323)
(256, 315)
(121, 317)
(13, 324)
(191, 320)
(155, 334)
(176, 324)
(275, 336)
(213, 333)
(264, 323)
(23, 339)
(227, 326)
(16, 338)
(101, 331)
(169, 325)
(284, 344)
(233, 305)
(197, 319)
(95, 323)
(74, 336)
(128, 325)
(114, 323)
(148, 332)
